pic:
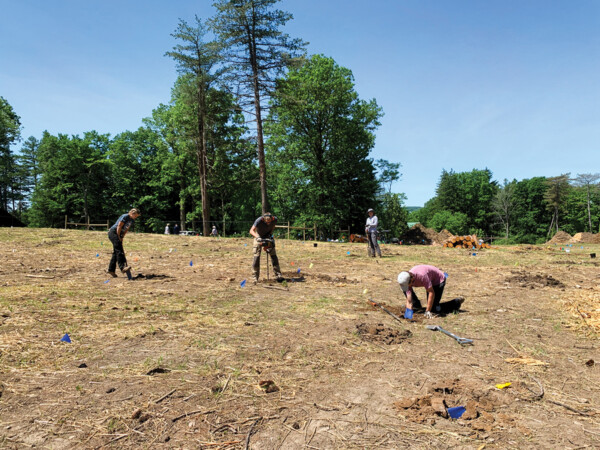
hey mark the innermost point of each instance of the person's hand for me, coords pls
(428, 315)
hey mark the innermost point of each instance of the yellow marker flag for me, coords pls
(365, 291)
(310, 267)
(502, 386)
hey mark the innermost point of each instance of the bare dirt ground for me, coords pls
(183, 356)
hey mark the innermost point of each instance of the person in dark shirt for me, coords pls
(116, 234)
(262, 231)
(176, 228)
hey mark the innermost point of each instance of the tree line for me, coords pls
(254, 124)
(526, 211)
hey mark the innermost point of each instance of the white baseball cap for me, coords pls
(403, 280)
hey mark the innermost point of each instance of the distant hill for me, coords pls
(412, 208)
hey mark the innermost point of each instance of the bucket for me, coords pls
(315, 244)
(592, 255)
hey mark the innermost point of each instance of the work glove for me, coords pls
(258, 240)
(428, 315)
(408, 314)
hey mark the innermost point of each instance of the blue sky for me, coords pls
(510, 85)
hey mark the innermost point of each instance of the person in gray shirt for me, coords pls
(371, 232)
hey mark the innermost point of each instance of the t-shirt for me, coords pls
(263, 229)
(372, 223)
(427, 276)
(127, 222)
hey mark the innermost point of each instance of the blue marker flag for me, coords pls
(66, 338)
(97, 254)
(243, 283)
(347, 253)
(106, 281)
(456, 411)
(191, 263)
(298, 270)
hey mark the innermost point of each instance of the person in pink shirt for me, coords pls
(429, 277)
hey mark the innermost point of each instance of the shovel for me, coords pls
(461, 341)
(374, 303)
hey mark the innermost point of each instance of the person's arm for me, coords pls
(430, 298)
(119, 229)
(253, 232)
(409, 302)
(374, 221)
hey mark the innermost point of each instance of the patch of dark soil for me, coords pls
(150, 276)
(157, 370)
(380, 333)
(532, 281)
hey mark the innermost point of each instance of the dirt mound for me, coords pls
(380, 333)
(533, 281)
(479, 406)
(585, 238)
(561, 237)
(444, 235)
(420, 235)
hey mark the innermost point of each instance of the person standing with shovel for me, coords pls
(116, 234)
(371, 232)
(262, 231)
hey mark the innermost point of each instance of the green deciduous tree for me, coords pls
(469, 193)
(256, 52)
(320, 136)
(74, 178)
(589, 182)
(555, 197)
(197, 60)
(503, 204)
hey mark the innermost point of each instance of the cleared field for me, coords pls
(183, 356)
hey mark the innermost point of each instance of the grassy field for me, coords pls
(183, 356)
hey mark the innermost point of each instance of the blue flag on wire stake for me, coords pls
(66, 338)
(298, 270)
(191, 263)
(243, 283)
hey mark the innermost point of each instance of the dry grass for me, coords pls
(176, 359)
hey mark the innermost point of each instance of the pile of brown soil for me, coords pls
(560, 238)
(380, 333)
(444, 235)
(480, 404)
(420, 235)
(585, 238)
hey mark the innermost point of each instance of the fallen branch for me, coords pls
(250, 433)
(581, 413)
(40, 276)
(165, 396)
(276, 288)
(325, 408)
(192, 413)
(114, 440)
(537, 396)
